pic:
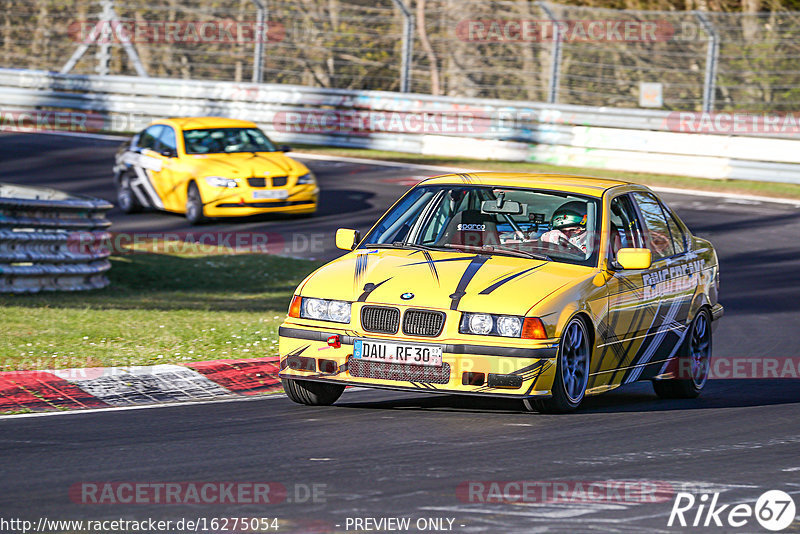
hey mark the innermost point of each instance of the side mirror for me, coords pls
(347, 239)
(634, 258)
(285, 148)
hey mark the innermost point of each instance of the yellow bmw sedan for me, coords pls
(208, 167)
(542, 288)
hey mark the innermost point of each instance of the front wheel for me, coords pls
(693, 362)
(572, 370)
(311, 393)
(126, 198)
(194, 205)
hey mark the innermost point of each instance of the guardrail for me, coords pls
(636, 140)
(50, 240)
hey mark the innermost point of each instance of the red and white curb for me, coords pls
(105, 387)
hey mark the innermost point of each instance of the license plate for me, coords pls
(272, 194)
(380, 351)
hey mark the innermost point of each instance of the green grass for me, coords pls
(769, 189)
(159, 308)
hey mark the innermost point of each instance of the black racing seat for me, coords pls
(471, 227)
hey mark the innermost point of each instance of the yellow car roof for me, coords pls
(585, 185)
(198, 123)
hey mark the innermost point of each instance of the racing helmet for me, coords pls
(570, 214)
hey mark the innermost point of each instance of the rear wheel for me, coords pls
(126, 198)
(194, 205)
(572, 370)
(693, 362)
(311, 393)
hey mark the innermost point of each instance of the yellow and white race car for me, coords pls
(211, 167)
(544, 288)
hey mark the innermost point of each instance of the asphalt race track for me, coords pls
(383, 454)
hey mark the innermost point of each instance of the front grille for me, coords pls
(423, 323)
(397, 371)
(257, 182)
(380, 319)
(279, 181)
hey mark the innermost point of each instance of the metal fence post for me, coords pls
(103, 54)
(712, 58)
(258, 53)
(408, 47)
(555, 65)
(107, 25)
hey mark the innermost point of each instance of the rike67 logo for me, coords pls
(774, 510)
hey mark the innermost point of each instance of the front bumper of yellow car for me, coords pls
(241, 201)
(496, 367)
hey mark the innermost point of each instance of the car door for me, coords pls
(145, 163)
(664, 283)
(630, 315)
(171, 183)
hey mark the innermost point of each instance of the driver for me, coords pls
(568, 226)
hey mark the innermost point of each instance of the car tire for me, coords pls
(695, 356)
(126, 198)
(311, 393)
(572, 370)
(194, 205)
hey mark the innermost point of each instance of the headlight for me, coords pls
(219, 181)
(509, 326)
(337, 311)
(480, 323)
(306, 179)
(485, 324)
(314, 308)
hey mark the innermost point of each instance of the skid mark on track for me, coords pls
(639, 456)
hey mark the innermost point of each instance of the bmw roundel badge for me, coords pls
(407, 296)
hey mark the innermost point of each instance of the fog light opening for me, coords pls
(473, 379)
(301, 363)
(505, 381)
(328, 366)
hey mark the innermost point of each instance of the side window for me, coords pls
(402, 218)
(626, 231)
(678, 238)
(149, 137)
(449, 205)
(167, 139)
(658, 237)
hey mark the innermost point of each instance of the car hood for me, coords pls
(247, 164)
(442, 280)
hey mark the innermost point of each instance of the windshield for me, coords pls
(495, 220)
(226, 140)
